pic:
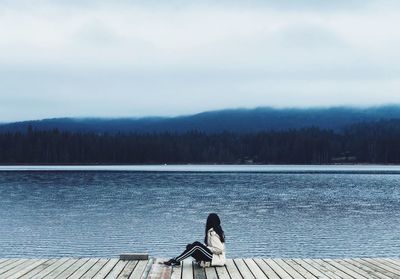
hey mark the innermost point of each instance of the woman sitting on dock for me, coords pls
(213, 253)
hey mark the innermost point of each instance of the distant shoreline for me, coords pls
(205, 164)
(271, 169)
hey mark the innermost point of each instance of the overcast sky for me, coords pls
(136, 58)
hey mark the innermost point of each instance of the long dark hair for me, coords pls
(214, 222)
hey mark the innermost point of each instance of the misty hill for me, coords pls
(232, 120)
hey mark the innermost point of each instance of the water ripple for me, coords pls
(103, 214)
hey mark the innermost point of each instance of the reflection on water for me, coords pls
(48, 214)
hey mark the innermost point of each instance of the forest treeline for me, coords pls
(376, 142)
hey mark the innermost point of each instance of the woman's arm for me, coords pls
(215, 244)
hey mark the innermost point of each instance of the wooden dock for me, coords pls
(99, 268)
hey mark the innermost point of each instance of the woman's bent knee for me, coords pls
(191, 245)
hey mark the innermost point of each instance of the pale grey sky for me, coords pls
(127, 58)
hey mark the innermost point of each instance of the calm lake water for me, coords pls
(266, 211)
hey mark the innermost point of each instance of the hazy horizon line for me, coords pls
(355, 107)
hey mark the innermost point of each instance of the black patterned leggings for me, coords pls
(198, 251)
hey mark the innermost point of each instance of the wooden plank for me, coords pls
(290, 270)
(18, 273)
(13, 264)
(198, 272)
(301, 270)
(55, 272)
(277, 269)
(16, 268)
(310, 268)
(72, 268)
(255, 269)
(46, 270)
(141, 270)
(371, 268)
(211, 273)
(345, 269)
(117, 269)
(232, 269)
(106, 269)
(159, 270)
(187, 269)
(321, 268)
(38, 269)
(388, 263)
(268, 271)
(83, 269)
(395, 260)
(388, 268)
(368, 273)
(376, 270)
(222, 272)
(176, 272)
(95, 269)
(243, 269)
(128, 269)
(333, 269)
(3, 266)
(395, 264)
(4, 260)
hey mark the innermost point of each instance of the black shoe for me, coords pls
(172, 262)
